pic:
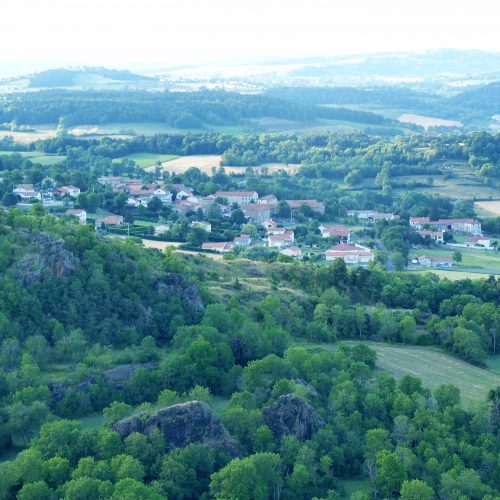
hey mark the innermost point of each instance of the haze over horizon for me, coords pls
(150, 35)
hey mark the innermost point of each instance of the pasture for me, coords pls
(428, 121)
(37, 156)
(433, 367)
(144, 160)
(488, 208)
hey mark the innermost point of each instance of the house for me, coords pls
(161, 229)
(436, 236)
(258, 213)
(479, 241)
(182, 192)
(314, 205)
(79, 213)
(372, 215)
(110, 181)
(436, 262)
(71, 191)
(268, 199)
(419, 222)
(275, 230)
(238, 197)
(221, 247)
(243, 241)
(350, 254)
(26, 192)
(112, 220)
(203, 225)
(294, 252)
(184, 206)
(266, 224)
(281, 240)
(336, 231)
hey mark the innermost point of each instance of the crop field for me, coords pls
(454, 275)
(428, 121)
(144, 160)
(434, 368)
(488, 208)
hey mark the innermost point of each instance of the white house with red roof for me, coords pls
(314, 205)
(268, 199)
(479, 241)
(336, 231)
(243, 240)
(436, 236)
(203, 225)
(112, 220)
(281, 240)
(350, 254)
(292, 251)
(79, 213)
(439, 262)
(469, 226)
(71, 191)
(221, 247)
(273, 230)
(239, 197)
(26, 192)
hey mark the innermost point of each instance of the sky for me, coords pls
(150, 35)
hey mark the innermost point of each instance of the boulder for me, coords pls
(50, 255)
(181, 424)
(291, 415)
(175, 284)
(118, 376)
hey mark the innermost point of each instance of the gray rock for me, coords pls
(120, 375)
(181, 424)
(175, 284)
(50, 255)
(291, 415)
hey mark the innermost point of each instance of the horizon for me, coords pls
(150, 36)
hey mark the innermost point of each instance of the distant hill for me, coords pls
(64, 77)
(484, 97)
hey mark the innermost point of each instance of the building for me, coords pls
(469, 226)
(79, 213)
(182, 192)
(293, 251)
(238, 197)
(314, 205)
(336, 231)
(436, 262)
(26, 192)
(372, 215)
(71, 191)
(479, 241)
(258, 213)
(350, 254)
(221, 247)
(112, 220)
(281, 240)
(243, 240)
(203, 225)
(184, 206)
(273, 230)
(436, 236)
(268, 199)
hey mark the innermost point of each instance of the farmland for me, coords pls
(38, 157)
(144, 160)
(434, 367)
(488, 208)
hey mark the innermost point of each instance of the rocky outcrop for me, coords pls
(175, 284)
(50, 255)
(118, 376)
(181, 424)
(291, 415)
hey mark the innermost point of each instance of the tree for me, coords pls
(9, 199)
(196, 236)
(416, 490)
(130, 489)
(116, 411)
(391, 473)
(447, 395)
(457, 257)
(283, 210)
(38, 490)
(155, 204)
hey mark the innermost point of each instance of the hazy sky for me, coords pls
(153, 34)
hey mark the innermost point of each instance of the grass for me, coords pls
(37, 157)
(454, 275)
(351, 486)
(434, 367)
(144, 160)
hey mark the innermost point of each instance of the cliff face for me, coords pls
(291, 415)
(175, 284)
(50, 255)
(181, 424)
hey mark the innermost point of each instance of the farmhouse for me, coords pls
(221, 247)
(436, 236)
(110, 181)
(182, 192)
(281, 240)
(350, 254)
(242, 241)
(27, 191)
(257, 213)
(336, 231)
(238, 197)
(79, 213)
(371, 215)
(479, 241)
(185, 206)
(469, 226)
(294, 252)
(436, 262)
(314, 205)
(112, 220)
(268, 199)
(71, 191)
(273, 230)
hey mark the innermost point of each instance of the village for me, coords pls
(257, 223)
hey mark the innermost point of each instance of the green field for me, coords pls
(454, 275)
(434, 367)
(147, 159)
(37, 157)
(473, 260)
